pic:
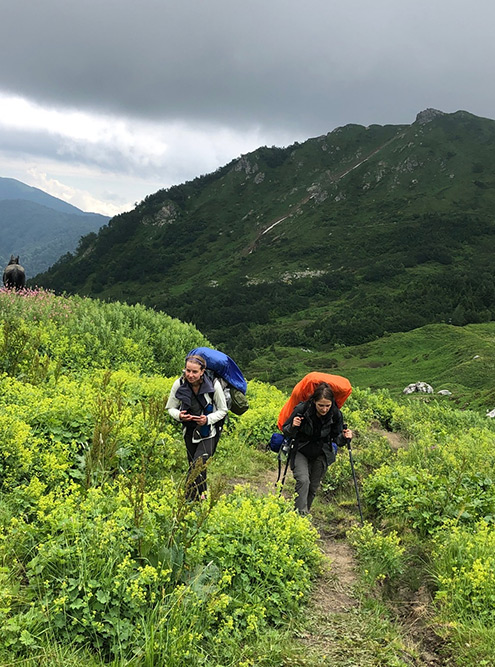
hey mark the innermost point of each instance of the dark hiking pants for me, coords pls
(198, 454)
(308, 475)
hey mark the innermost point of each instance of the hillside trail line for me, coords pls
(297, 207)
(333, 590)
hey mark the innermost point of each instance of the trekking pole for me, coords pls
(348, 443)
(288, 452)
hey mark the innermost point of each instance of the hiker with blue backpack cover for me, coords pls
(199, 404)
(315, 429)
(219, 365)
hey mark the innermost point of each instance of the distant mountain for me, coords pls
(334, 241)
(10, 188)
(38, 227)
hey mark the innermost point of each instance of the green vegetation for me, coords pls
(429, 510)
(40, 329)
(104, 562)
(336, 241)
(101, 554)
(458, 359)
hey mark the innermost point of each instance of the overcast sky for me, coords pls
(103, 102)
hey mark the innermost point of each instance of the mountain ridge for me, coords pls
(38, 227)
(11, 188)
(336, 240)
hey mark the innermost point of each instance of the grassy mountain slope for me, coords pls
(104, 561)
(338, 240)
(460, 359)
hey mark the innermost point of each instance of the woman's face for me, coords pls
(193, 372)
(323, 405)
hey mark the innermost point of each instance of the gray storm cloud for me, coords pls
(176, 88)
(305, 65)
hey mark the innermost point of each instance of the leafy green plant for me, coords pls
(463, 565)
(381, 557)
(266, 555)
(86, 576)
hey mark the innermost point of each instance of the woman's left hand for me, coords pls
(347, 433)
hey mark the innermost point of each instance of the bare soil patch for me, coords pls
(333, 590)
(396, 440)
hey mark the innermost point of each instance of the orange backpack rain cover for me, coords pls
(340, 386)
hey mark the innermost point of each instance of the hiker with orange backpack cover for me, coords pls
(316, 428)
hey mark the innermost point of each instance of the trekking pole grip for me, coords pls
(347, 440)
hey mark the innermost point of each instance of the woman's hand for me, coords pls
(201, 420)
(184, 416)
(297, 421)
(347, 433)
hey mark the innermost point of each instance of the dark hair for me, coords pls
(323, 390)
(197, 359)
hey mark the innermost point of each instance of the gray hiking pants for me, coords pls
(308, 475)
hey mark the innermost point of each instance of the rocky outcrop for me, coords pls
(165, 216)
(428, 115)
(422, 387)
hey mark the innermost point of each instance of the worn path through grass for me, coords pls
(344, 624)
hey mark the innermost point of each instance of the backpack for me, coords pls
(279, 443)
(340, 386)
(221, 367)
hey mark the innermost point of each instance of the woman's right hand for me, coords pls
(297, 421)
(184, 416)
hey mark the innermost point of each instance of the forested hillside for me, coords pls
(338, 240)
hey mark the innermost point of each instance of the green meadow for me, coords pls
(458, 359)
(104, 562)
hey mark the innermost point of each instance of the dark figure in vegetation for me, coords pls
(316, 427)
(14, 276)
(199, 404)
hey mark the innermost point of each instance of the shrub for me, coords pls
(260, 421)
(266, 555)
(381, 557)
(94, 569)
(463, 563)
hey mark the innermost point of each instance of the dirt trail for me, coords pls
(396, 440)
(334, 588)
(334, 604)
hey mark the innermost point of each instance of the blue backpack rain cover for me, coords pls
(222, 365)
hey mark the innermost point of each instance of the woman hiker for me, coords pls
(316, 427)
(199, 404)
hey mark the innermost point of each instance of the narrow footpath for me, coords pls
(344, 626)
